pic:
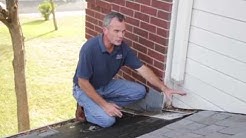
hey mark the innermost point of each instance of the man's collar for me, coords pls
(101, 44)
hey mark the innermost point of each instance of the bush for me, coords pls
(45, 9)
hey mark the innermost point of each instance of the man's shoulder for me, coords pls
(91, 43)
(125, 46)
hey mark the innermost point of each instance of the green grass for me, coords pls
(51, 58)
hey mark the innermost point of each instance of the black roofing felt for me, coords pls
(127, 127)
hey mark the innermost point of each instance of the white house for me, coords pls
(207, 54)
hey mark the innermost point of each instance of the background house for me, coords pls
(197, 45)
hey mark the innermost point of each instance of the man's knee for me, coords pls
(140, 90)
(106, 121)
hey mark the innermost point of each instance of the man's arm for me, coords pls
(149, 75)
(110, 108)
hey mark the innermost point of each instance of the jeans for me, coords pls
(120, 92)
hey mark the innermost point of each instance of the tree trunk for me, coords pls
(54, 15)
(13, 24)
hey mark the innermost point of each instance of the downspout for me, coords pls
(178, 42)
(173, 23)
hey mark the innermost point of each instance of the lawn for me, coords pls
(51, 58)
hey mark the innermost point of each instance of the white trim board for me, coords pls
(181, 40)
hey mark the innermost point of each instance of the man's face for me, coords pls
(115, 31)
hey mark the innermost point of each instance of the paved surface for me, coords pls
(204, 124)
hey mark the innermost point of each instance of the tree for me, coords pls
(46, 8)
(10, 18)
(53, 13)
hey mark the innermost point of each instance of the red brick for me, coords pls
(91, 1)
(91, 19)
(119, 2)
(132, 21)
(158, 72)
(133, 5)
(88, 36)
(129, 27)
(128, 77)
(128, 42)
(126, 11)
(168, 0)
(95, 7)
(90, 25)
(148, 10)
(146, 2)
(119, 75)
(99, 16)
(164, 15)
(89, 12)
(139, 47)
(140, 32)
(103, 4)
(160, 23)
(156, 55)
(145, 58)
(158, 39)
(126, 70)
(91, 32)
(147, 24)
(159, 65)
(163, 32)
(146, 42)
(142, 17)
(98, 29)
(131, 36)
(167, 6)
(161, 49)
(105, 11)
(99, 23)
(115, 7)
(138, 77)
(120, 71)
(148, 27)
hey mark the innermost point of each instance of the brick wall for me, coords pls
(148, 23)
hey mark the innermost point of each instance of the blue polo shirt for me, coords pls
(98, 66)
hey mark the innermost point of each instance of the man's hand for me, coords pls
(169, 92)
(112, 110)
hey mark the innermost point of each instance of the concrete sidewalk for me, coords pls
(204, 124)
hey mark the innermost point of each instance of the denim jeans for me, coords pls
(120, 92)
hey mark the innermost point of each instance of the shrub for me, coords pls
(45, 9)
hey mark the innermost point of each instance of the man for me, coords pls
(99, 96)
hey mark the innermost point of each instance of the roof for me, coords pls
(130, 125)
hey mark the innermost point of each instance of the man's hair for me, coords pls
(107, 19)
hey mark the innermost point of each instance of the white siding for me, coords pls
(228, 8)
(215, 74)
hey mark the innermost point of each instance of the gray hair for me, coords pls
(107, 19)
